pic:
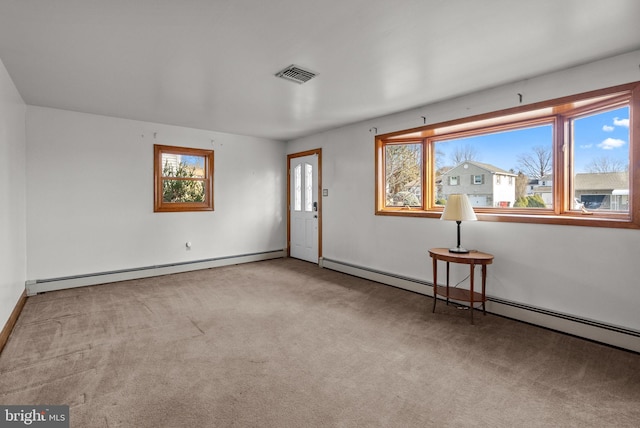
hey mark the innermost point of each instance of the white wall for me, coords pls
(12, 196)
(90, 196)
(587, 272)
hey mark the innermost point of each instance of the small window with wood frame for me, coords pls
(183, 179)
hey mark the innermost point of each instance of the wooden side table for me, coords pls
(472, 259)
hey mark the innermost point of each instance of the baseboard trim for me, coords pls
(404, 282)
(13, 319)
(613, 335)
(34, 287)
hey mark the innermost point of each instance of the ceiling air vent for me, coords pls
(296, 74)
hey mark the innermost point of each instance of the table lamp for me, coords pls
(458, 209)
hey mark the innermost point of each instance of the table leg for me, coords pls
(435, 283)
(472, 267)
(484, 282)
(447, 283)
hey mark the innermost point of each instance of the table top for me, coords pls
(472, 257)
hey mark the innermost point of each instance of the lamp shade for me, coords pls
(458, 208)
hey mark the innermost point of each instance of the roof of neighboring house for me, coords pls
(601, 181)
(491, 168)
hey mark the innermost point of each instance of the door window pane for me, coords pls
(308, 187)
(297, 188)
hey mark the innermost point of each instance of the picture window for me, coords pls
(564, 161)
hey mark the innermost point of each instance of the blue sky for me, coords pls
(604, 134)
(194, 161)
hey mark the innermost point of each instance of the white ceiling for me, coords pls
(210, 64)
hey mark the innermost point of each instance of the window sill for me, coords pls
(568, 219)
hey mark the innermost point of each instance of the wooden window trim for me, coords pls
(559, 110)
(158, 204)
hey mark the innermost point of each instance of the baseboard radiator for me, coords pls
(34, 287)
(589, 329)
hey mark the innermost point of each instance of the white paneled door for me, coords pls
(303, 210)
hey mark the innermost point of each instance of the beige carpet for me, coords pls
(283, 343)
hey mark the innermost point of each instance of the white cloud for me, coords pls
(621, 122)
(608, 128)
(611, 143)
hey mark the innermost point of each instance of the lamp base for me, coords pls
(458, 250)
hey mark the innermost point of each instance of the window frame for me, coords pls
(560, 111)
(158, 204)
(380, 185)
